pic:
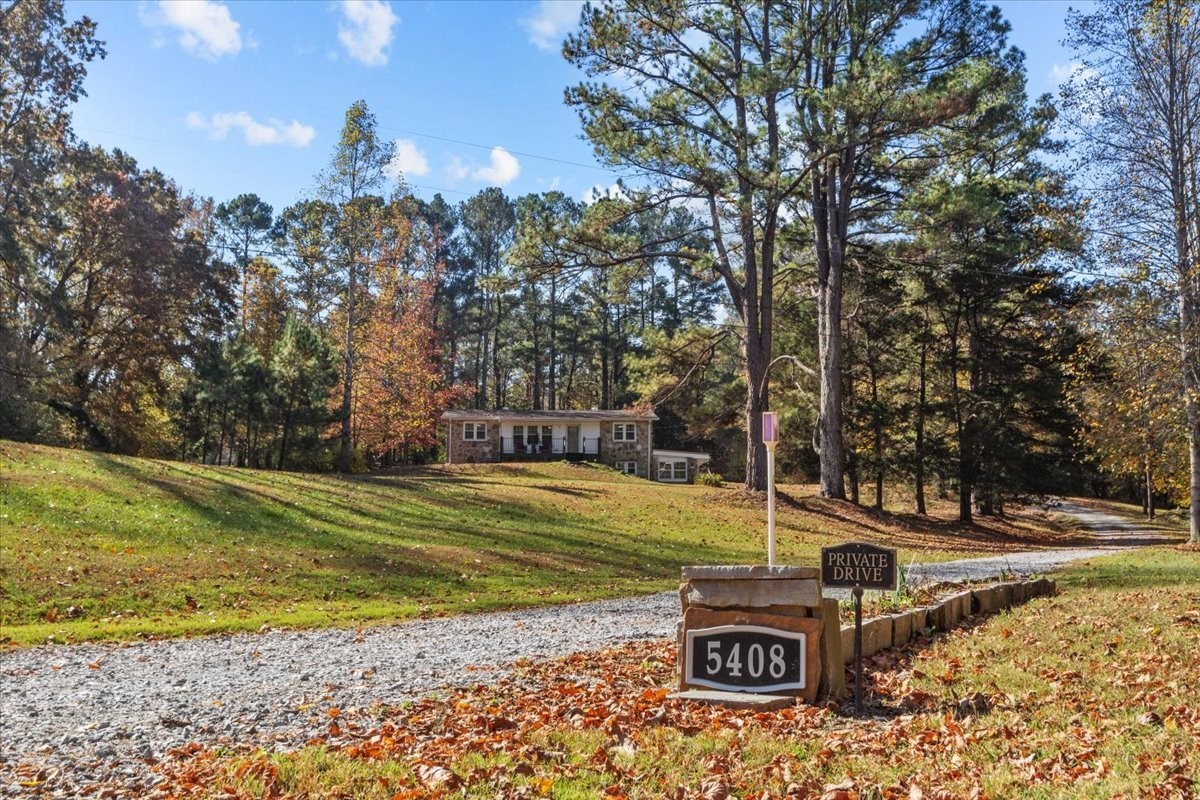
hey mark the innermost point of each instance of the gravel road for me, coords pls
(91, 713)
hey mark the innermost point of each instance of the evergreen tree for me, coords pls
(303, 373)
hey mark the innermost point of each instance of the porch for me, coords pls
(550, 448)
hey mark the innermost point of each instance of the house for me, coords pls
(620, 439)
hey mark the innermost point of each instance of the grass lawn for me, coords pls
(1091, 694)
(104, 547)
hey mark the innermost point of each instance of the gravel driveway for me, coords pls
(101, 712)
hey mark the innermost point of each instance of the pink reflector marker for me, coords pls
(770, 426)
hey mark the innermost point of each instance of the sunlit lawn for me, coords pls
(97, 546)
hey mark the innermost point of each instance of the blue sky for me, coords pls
(233, 97)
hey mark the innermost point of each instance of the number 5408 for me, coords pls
(756, 660)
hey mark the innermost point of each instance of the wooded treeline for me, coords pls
(851, 213)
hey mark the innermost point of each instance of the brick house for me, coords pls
(620, 439)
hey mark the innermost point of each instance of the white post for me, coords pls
(770, 428)
(771, 504)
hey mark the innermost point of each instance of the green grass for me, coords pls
(94, 546)
(1090, 694)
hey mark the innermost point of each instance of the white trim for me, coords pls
(623, 467)
(475, 426)
(673, 462)
(625, 427)
(801, 638)
(649, 449)
(682, 454)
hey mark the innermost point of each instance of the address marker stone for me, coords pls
(748, 572)
(831, 650)
(749, 593)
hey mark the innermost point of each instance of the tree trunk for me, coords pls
(830, 344)
(966, 472)
(536, 386)
(496, 376)
(1191, 364)
(283, 439)
(756, 404)
(224, 427)
(481, 353)
(207, 433)
(852, 474)
(919, 438)
(605, 376)
(552, 372)
(877, 431)
(1149, 493)
(348, 371)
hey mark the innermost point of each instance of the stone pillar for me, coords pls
(780, 598)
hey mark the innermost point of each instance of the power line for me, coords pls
(407, 132)
(521, 153)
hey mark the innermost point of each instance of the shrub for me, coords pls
(710, 479)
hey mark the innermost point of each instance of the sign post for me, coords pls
(770, 426)
(855, 566)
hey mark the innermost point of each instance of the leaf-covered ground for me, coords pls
(105, 547)
(1088, 694)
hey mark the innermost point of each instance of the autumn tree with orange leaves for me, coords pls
(400, 390)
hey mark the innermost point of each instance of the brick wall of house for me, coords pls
(464, 452)
(611, 452)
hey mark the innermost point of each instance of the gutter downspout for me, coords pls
(649, 449)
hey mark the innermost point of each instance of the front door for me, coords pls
(572, 438)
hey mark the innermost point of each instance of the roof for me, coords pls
(582, 416)
(681, 454)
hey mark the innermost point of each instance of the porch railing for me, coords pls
(548, 447)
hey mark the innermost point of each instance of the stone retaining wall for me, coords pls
(895, 630)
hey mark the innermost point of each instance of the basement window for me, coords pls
(673, 470)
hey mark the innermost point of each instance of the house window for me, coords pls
(474, 432)
(673, 471)
(624, 432)
(628, 467)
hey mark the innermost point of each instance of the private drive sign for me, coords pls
(858, 564)
(741, 658)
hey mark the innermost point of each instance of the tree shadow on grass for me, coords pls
(517, 536)
(917, 531)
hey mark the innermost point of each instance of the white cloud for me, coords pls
(551, 20)
(1062, 73)
(205, 27)
(407, 159)
(273, 132)
(457, 169)
(366, 30)
(504, 168)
